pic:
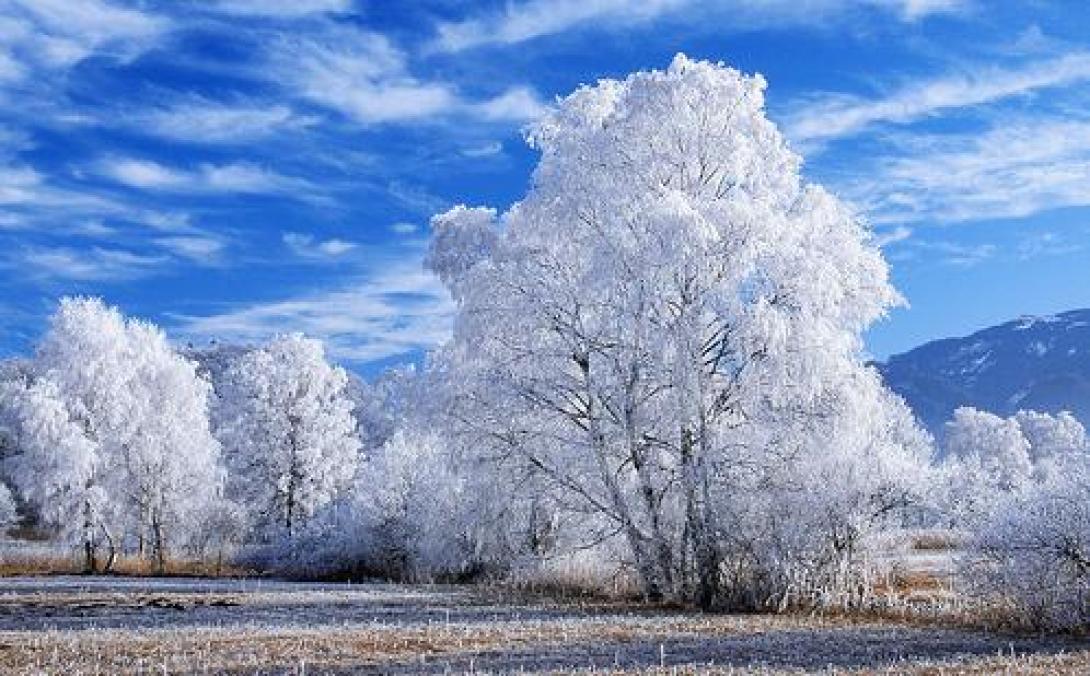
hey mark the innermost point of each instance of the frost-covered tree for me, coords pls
(1030, 559)
(112, 425)
(53, 461)
(1021, 485)
(990, 460)
(1054, 441)
(289, 438)
(659, 321)
(987, 461)
(413, 506)
(9, 514)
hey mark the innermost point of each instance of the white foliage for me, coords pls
(112, 426)
(1054, 441)
(991, 460)
(1031, 558)
(54, 460)
(461, 238)
(413, 506)
(987, 461)
(289, 438)
(9, 515)
(658, 325)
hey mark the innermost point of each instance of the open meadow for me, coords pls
(86, 625)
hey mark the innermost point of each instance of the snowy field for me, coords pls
(104, 625)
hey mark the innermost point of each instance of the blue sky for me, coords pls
(239, 168)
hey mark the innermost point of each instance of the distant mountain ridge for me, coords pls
(1040, 363)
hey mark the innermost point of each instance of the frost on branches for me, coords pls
(990, 461)
(111, 435)
(289, 437)
(666, 333)
(1020, 486)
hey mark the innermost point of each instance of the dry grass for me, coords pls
(12, 565)
(936, 539)
(278, 627)
(39, 565)
(360, 648)
(117, 651)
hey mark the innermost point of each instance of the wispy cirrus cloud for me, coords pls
(823, 117)
(528, 20)
(520, 22)
(398, 311)
(203, 249)
(1017, 168)
(47, 36)
(94, 264)
(237, 177)
(281, 9)
(201, 120)
(307, 246)
(364, 76)
(1038, 244)
(944, 251)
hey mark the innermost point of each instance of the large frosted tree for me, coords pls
(664, 322)
(290, 444)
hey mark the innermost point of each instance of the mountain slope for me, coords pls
(1040, 363)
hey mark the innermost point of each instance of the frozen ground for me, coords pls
(106, 625)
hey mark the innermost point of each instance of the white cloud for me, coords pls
(202, 249)
(490, 149)
(518, 103)
(897, 234)
(95, 264)
(360, 74)
(307, 246)
(23, 187)
(282, 9)
(524, 21)
(367, 78)
(1015, 169)
(205, 121)
(914, 10)
(50, 35)
(236, 177)
(416, 197)
(400, 310)
(829, 116)
(1040, 244)
(404, 228)
(960, 255)
(145, 174)
(537, 18)
(93, 228)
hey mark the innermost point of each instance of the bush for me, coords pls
(1029, 565)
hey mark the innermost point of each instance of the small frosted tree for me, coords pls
(289, 438)
(53, 462)
(1055, 441)
(990, 460)
(1030, 558)
(9, 514)
(112, 418)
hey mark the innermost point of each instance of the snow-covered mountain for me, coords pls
(1040, 363)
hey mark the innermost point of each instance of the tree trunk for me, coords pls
(90, 558)
(160, 545)
(111, 555)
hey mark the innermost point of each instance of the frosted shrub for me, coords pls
(1031, 561)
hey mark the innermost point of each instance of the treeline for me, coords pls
(656, 366)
